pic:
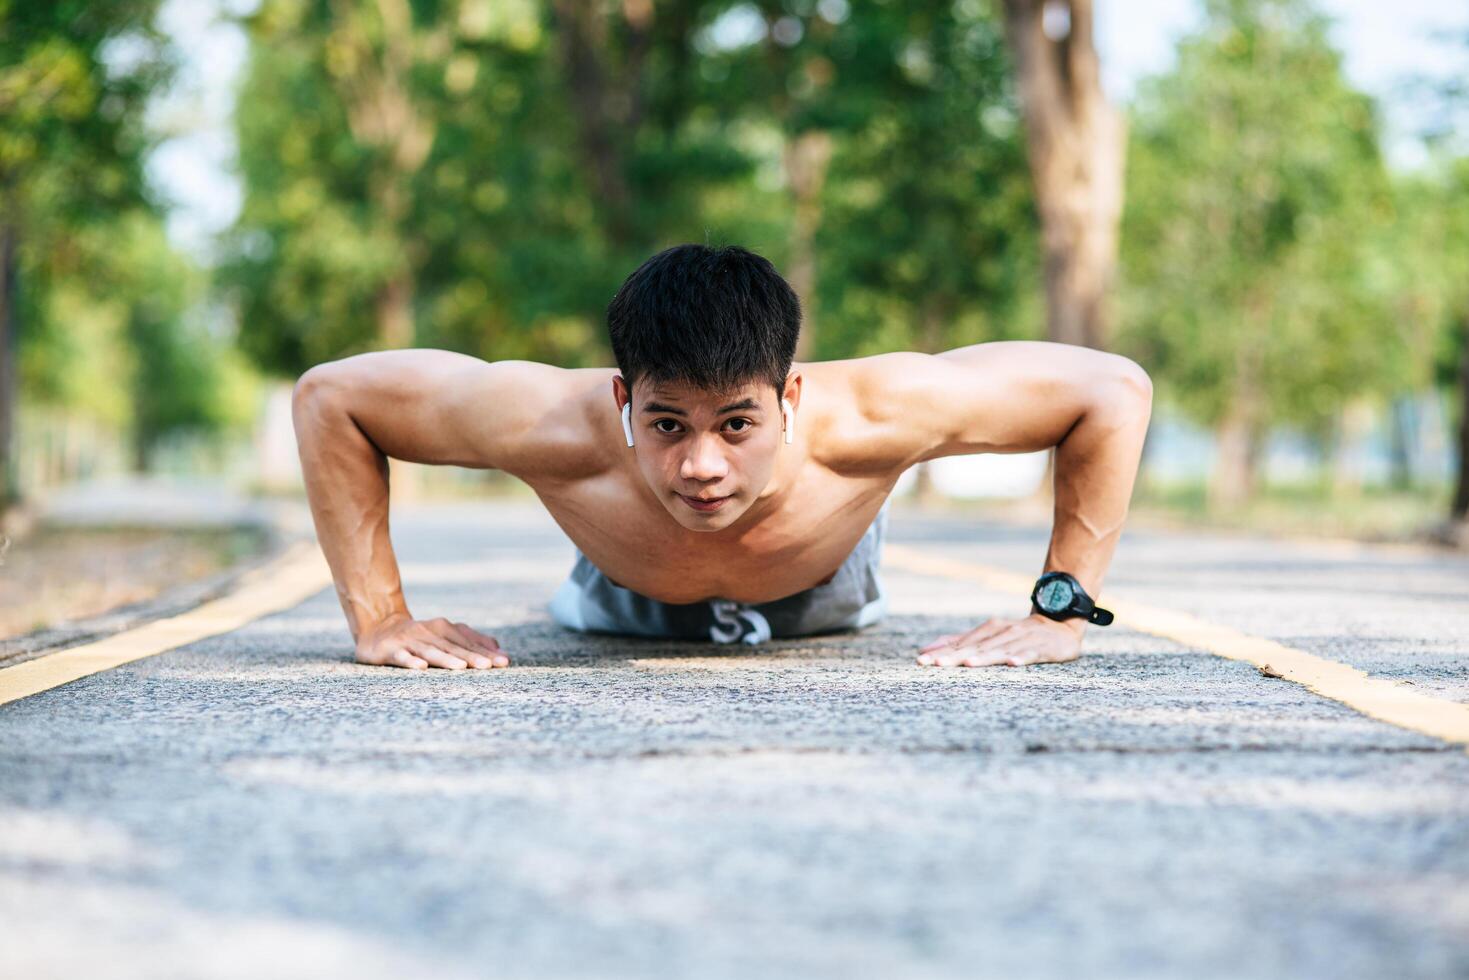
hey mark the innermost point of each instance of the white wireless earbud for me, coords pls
(788, 416)
(627, 422)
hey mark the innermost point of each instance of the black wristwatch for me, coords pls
(1058, 595)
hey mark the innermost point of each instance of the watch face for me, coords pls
(1055, 595)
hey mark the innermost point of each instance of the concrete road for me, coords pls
(256, 805)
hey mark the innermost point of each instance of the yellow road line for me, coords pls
(296, 575)
(1372, 696)
(301, 573)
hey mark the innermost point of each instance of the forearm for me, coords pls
(346, 479)
(1095, 469)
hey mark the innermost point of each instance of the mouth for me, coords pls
(704, 506)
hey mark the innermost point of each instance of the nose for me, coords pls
(705, 461)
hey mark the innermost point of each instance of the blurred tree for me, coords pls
(607, 90)
(929, 231)
(130, 340)
(571, 140)
(793, 70)
(1254, 186)
(891, 135)
(185, 372)
(1418, 261)
(538, 188)
(1446, 210)
(74, 81)
(338, 116)
(371, 51)
(1077, 143)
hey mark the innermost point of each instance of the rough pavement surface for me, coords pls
(257, 805)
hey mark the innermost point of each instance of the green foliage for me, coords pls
(1255, 191)
(1420, 262)
(70, 140)
(508, 244)
(129, 339)
(493, 231)
(929, 240)
(181, 369)
(74, 81)
(111, 321)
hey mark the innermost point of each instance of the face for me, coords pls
(693, 446)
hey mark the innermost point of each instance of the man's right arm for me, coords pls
(423, 406)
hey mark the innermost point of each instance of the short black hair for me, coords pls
(713, 318)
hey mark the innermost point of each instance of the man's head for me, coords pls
(704, 338)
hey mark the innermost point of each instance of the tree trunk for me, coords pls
(925, 494)
(142, 453)
(1237, 449)
(1231, 481)
(806, 158)
(607, 102)
(1354, 423)
(1459, 510)
(9, 327)
(383, 116)
(394, 311)
(1403, 431)
(1076, 143)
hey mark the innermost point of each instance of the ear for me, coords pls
(623, 398)
(789, 399)
(792, 391)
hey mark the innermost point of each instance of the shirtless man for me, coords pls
(722, 491)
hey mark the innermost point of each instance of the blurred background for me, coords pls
(1263, 202)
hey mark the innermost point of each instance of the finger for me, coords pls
(1004, 643)
(437, 657)
(983, 659)
(948, 659)
(490, 644)
(995, 624)
(985, 630)
(1044, 657)
(402, 658)
(471, 657)
(488, 641)
(491, 650)
(943, 641)
(946, 656)
(437, 634)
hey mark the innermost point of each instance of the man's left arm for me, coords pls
(1024, 396)
(1095, 467)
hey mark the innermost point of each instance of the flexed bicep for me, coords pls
(438, 407)
(998, 397)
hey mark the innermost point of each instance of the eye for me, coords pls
(745, 427)
(667, 432)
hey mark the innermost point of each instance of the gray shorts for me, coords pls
(590, 602)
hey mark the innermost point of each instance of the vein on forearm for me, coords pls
(1096, 466)
(347, 484)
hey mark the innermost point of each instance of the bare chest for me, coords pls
(635, 542)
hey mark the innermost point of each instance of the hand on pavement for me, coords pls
(402, 641)
(1012, 642)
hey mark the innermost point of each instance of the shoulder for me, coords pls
(995, 397)
(566, 422)
(853, 413)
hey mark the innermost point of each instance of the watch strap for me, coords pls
(1082, 606)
